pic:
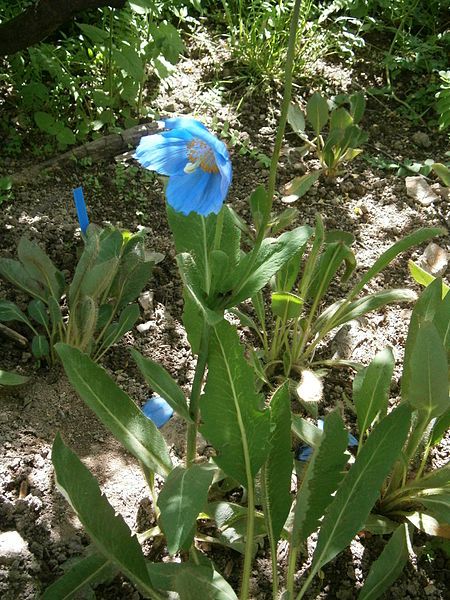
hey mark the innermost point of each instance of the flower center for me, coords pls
(200, 155)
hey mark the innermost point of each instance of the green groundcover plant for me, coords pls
(338, 494)
(96, 309)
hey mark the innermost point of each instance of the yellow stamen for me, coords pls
(200, 154)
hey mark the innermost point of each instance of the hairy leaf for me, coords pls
(234, 421)
(116, 410)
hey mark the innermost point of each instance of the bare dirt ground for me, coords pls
(370, 203)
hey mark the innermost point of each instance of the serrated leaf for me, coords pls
(39, 266)
(115, 409)
(277, 470)
(306, 431)
(388, 566)
(102, 523)
(181, 499)
(86, 572)
(360, 489)
(428, 374)
(371, 390)
(163, 384)
(8, 378)
(233, 419)
(323, 476)
(317, 112)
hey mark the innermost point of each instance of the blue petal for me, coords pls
(198, 130)
(80, 205)
(157, 410)
(163, 153)
(304, 453)
(199, 192)
(352, 441)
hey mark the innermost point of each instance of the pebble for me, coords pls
(12, 547)
(421, 139)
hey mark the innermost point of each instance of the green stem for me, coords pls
(278, 140)
(272, 540)
(194, 409)
(293, 552)
(248, 558)
(110, 44)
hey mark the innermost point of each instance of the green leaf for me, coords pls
(163, 384)
(388, 566)
(340, 119)
(199, 581)
(441, 321)
(379, 524)
(428, 374)
(443, 172)
(95, 34)
(86, 572)
(323, 476)
(413, 239)
(10, 312)
(13, 271)
(182, 498)
(296, 118)
(99, 278)
(286, 305)
(66, 136)
(55, 312)
(306, 431)
(84, 322)
(429, 525)
(423, 277)
(438, 505)
(40, 347)
(371, 390)
(107, 528)
(339, 313)
(260, 206)
(271, 256)
(234, 421)
(44, 121)
(440, 427)
(133, 280)
(116, 410)
(357, 107)
(298, 187)
(277, 470)
(361, 487)
(39, 266)
(8, 378)
(334, 254)
(317, 112)
(115, 331)
(37, 310)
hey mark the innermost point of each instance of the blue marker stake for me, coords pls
(80, 205)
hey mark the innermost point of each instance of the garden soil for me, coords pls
(39, 534)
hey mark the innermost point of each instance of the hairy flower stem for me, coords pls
(248, 558)
(286, 99)
(194, 410)
(278, 140)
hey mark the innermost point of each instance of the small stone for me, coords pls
(143, 327)
(418, 189)
(434, 260)
(12, 547)
(146, 301)
(421, 139)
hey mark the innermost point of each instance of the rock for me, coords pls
(146, 301)
(12, 547)
(421, 139)
(143, 327)
(434, 260)
(418, 189)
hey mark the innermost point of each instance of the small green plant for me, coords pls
(443, 101)
(341, 144)
(94, 311)
(6, 185)
(298, 292)
(8, 378)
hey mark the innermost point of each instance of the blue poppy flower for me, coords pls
(157, 410)
(196, 162)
